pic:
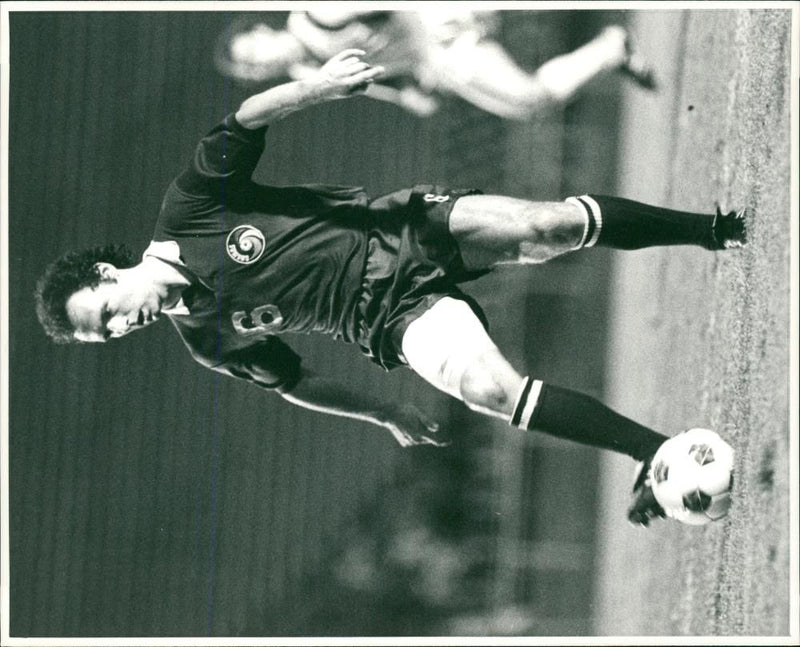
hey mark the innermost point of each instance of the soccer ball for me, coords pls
(691, 475)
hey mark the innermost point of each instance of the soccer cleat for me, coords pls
(729, 230)
(637, 69)
(644, 506)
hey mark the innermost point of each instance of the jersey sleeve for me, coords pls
(228, 154)
(271, 364)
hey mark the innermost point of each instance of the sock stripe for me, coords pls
(587, 216)
(591, 223)
(594, 219)
(598, 220)
(516, 414)
(530, 406)
(526, 403)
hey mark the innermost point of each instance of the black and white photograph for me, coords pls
(467, 323)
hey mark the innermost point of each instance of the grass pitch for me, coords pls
(704, 339)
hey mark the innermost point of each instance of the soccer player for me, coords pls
(233, 264)
(425, 54)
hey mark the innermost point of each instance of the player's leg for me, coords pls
(493, 229)
(449, 347)
(485, 75)
(408, 97)
(564, 75)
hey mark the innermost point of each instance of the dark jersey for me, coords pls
(265, 261)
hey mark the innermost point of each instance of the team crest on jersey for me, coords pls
(245, 244)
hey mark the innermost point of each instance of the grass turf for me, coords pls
(712, 341)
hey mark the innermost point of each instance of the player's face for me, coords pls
(114, 308)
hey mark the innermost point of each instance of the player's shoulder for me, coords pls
(181, 199)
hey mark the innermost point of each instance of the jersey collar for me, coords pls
(169, 251)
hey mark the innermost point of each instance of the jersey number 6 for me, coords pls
(261, 321)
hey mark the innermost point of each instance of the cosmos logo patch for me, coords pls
(245, 244)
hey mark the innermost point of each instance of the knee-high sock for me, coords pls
(581, 418)
(626, 224)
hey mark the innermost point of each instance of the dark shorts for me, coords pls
(413, 261)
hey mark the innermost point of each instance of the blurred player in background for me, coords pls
(235, 265)
(424, 54)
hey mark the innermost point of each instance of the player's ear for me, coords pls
(106, 271)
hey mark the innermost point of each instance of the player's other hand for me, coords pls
(411, 427)
(345, 75)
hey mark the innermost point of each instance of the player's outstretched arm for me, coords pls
(342, 76)
(407, 424)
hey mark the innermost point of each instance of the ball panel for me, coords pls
(696, 501)
(660, 471)
(701, 453)
(720, 505)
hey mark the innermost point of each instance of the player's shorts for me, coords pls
(412, 262)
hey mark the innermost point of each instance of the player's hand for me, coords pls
(411, 427)
(345, 75)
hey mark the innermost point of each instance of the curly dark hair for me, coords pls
(66, 275)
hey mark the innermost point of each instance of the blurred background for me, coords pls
(151, 497)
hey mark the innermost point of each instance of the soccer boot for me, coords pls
(636, 68)
(729, 230)
(644, 506)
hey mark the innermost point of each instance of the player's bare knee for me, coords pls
(481, 391)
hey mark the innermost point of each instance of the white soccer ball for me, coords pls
(691, 475)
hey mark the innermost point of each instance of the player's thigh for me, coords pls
(490, 229)
(485, 75)
(449, 347)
